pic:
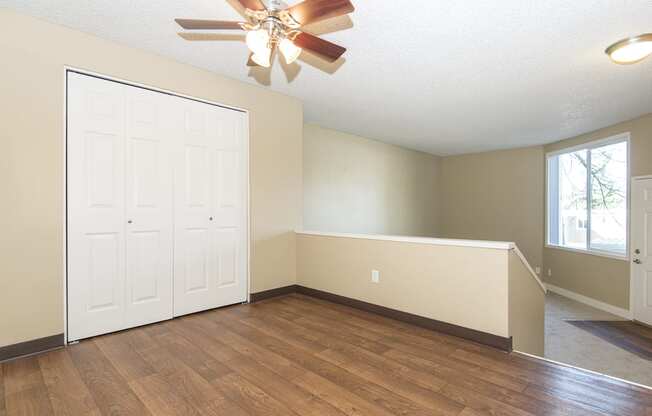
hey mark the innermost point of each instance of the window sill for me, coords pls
(590, 252)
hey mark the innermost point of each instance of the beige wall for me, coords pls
(31, 172)
(604, 279)
(526, 309)
(446, 283)
(353, 184)
(495, 196)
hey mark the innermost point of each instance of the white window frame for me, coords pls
(619, 138)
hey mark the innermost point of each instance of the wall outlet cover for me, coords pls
(375, 276)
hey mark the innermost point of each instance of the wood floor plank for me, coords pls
(371, 330)
(297, 355)
(469, 380)
(391, 367)
(337, 396)
(481, 403)
(383, 325)
(68, 393)
(3, 407)
(191, 385)
(160, 397)
(249, 397)
(109, 390)
(544, 381)
(372, 392)
(297, 399)
(32, 401)
(395, 382)
(426, 359)
(22, 374)
(222, 407)
(118, 349)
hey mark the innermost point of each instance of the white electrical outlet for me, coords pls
(549, 272)
(375, 276)
(537, 270)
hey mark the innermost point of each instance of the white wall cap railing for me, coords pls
(496, 245)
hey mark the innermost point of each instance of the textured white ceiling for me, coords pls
(444, 77)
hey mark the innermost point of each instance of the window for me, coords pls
(587, 197)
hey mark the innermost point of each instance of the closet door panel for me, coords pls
(229, 193)
(211, 209)
(95, 173)
(149, 193)
(194, 286)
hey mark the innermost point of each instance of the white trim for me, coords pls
(641, 178)
(623, 313)
(536, 357)
(497, 245)
(67, 69)
(527, 266)
(150, 87)
(65, 206)
(248, 202)
(589, 252)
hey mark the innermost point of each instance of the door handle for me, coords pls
(637, 261)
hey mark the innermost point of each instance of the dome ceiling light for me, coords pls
(631, 50)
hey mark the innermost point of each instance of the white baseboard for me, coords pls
(623, 313)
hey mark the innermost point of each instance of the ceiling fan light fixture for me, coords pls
(289, 50)
(258, 41)
(631, 50)
(263, 58)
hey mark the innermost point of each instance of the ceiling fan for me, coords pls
(271, 26)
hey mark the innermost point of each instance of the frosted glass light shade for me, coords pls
(263, 57)
(289, 50)
(257, 41)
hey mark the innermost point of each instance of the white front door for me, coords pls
(642, 250)
(210, 268)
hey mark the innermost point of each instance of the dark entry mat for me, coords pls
(627, 335)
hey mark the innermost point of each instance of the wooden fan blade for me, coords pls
(200, 24)
(252, 4)
(311, 11)
(327, 50)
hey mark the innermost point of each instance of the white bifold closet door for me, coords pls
(210, 256)
(156, 206)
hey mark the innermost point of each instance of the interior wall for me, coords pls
(32, 169)
(434, 281)
(601, 278)
(495, 195)
(357, 185)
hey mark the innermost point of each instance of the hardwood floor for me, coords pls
(297, 355)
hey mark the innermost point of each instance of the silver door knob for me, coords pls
(210, 218)
(129, 222)
(637, 261)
